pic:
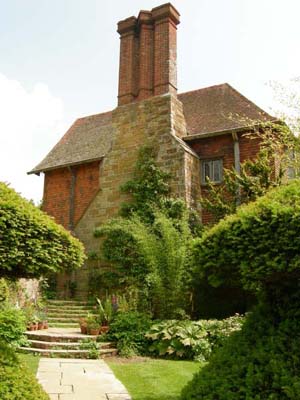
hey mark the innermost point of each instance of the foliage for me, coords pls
(92, 346)
(148, 379)
(156, 259)
(190, 339)
(17, 382)
(105, 311)
(48, 286)
(4, 290)
(148, 187)
(12, 325)
(273, 163)
(258, 246)
(262, 361)
(31, 243)
(128, 330)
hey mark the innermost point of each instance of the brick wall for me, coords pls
(56, 199)
(148, 54)
(57, 192)
(223, 147)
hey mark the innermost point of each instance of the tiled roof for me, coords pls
(212, 109)
(88, 139)
(219, 108)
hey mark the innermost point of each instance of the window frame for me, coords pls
(212, 162)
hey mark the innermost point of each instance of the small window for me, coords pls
(212, 170)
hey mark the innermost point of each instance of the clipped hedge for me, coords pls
(31, 243)
(257, 246)
(16, 381)
(262, 361)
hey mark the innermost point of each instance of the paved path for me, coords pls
(74, 379)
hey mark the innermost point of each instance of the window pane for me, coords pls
(217, 171)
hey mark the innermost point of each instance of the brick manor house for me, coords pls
(195, 133)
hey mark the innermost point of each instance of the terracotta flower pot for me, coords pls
(94, 331)
(104, 329)
(46, 325)
(83, 329)
(40, 325)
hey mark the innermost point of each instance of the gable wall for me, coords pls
(67, 205)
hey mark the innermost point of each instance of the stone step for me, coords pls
(63, 324)
(70, 308)
(69, 303)
(68, 320)
(67, 353)
(41, 344)
(70, 312)
(58, 335)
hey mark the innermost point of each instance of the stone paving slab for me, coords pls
(74, 379)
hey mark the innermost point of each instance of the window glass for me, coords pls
(212, 170)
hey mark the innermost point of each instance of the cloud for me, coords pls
(31, 121)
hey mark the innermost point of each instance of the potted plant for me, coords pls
(93, 327)
(83, 325)
(105, 312)
(42, 320)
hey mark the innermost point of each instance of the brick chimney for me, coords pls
(148, 54)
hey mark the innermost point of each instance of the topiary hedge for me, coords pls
(31, 243)
(259, 248)
(16, 381)
(256, 246)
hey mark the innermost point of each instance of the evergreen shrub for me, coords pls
(258, 248)
(31, 243)
(12, 325)
(128, 329)
(16, 381)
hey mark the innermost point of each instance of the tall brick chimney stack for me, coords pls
(148, 54)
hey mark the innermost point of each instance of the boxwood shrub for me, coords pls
(259, 248)
(31, 243)
(16, 381)
(256, 246)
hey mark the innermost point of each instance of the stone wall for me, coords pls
(158, 121)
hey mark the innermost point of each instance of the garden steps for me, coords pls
(66, 313)
(40, 344)
(67, 353)
(63, 342)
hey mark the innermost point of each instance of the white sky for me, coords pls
(59, 61)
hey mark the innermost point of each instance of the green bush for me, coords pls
(12, 325)
(4, 291)
(262, 361)
(16, 382)
(190, 339)
(128, 330)
(257, 246)
(31, 243)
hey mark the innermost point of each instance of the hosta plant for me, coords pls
(190, 339)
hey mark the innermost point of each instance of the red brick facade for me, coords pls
(69, 191)
(148, 54)
(222, 147)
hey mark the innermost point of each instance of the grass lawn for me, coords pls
(149, 379)
(31, 361)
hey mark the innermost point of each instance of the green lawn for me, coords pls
(30, 361)
(154, 379)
